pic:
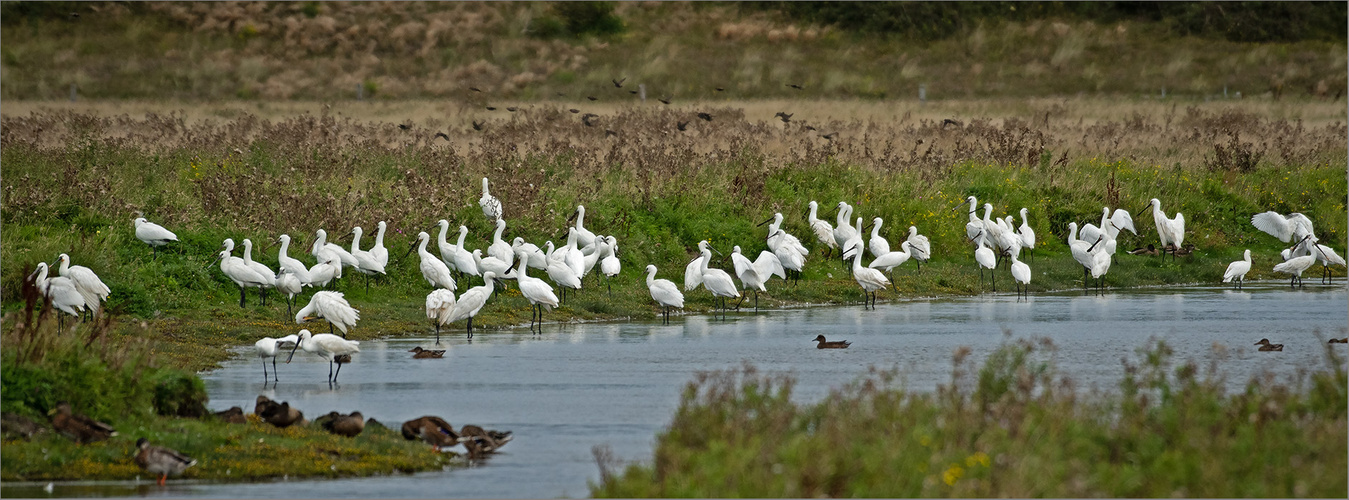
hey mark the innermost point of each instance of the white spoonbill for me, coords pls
(1236, 271)
(717, 281)
(1082, 251)
(846, 234)
(693, 272)
(379, 251)
(238, 272)
(332, 307)
(492, 264)
(1286, 228)
(268, 348)
(869, 279)
(1021, 274)
(975, 225)
(561, 273)
(463, 259)
(1295, 266)
(366, 263)
(471, 301)
(584, 237)
(91, 289)
(1027, 234)
(266, 272)
(325, 346)
(433, 269)
(153, 234)
(888, 261)
(286, 262)
(824, 232)
(537, 259)
(610, 266)
(788, 252)
(1328, 257)
(446, 249)
(1170, 231)
(536, 291)
(289, 285)
(986, 259)
(877, 245)
(322, 247)
(754, 274)
(439, 305)
(921, 244)
(59, 291)
(499, 248)
(491, 206)
(664, 292)
(325, 272)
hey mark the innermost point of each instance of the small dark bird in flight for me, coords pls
(512, 109)
(74, 15)
(475, 89)
(490, 108)
(664, 100)
(574, 110)
(609, 133)
(784, 116)
(795, 86)
(619, 83)
(442, 135)
(634, 92)
(719, 89)
(830, 136)
(682, 125)
(402, 126)
(593, 98)
(477, 125)
(808, 127)
(559, 94)
(705, 116)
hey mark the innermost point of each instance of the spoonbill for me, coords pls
(268, 348)
(446, 249)
(332, 307)
(693, 272)
(59, 291)
(491, 206)
(1295, 266)
(327, 346)
(877, 245)
(380, 253)
(91, 289)
(717, 281)
(789, 250)
(610, 266)
(265, 272)
(1026, 233)
(463, 259)
(499, 248)
(561, 273)
(754, 274)
(664, 292)
(238, 272)
(888, 261)
(153, 234)
(1082, 252)
(1236, 271)
(289, 284)
(322, 247)
(286, 262)
(1021, 274)
(433, 269)
(366, 263)
(1286, 228)
(1171, 231)
(471, 301)
(869, 279)
(439, 303)
(536, 291)
(584, 237)
(1328, 257)
(975, 225)
(852, 236)
(822, 229)
(921, 244)
(986, 259)
(326, 271)
(1111, 225)
(537, 259)
(489, 263)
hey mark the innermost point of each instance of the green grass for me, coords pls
(1013, 427)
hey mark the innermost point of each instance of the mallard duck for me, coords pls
(161, 460)
(1149, 250)
(280, 415)
(434, 431)
(234, 415)
(482, 442)
(80, 428)
(1266, 346)
(344, 425)
(264, 405)
(1339, 341)
(20, 426)
(426, 353)
(825, 344)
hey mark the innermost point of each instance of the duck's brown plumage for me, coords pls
(19, 426)
(234, 415)
(78, 427)
(482, 442)
(1339, 341)
(825, 344)
(280, 415)
(426, 353)
(432, 430)
(1266, 346)
(160, 460)
(345, 425)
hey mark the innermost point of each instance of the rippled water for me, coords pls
(617, 384)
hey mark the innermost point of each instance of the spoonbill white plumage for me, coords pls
(1026, 233)
(59, 291)
(471, 301)
(824, 232)
(322, 247)
(1236, 271)
(877, 245)
(493, 264)
(664, 292)
(536, 291)
(286, 262)
(1171, 231)
(788, 254)
(717, 281)
(986, 259)
(433, 269)
(491, 206)
(610, 266)
(332, 307)
(499, 248)
(888, 261)
(326, 271)
(1286, 228)
(560, 272)
(238, 272)
(1082, 251)
(693, 272)
(380, 253)
(463, 259)
(366, 263)
(1328, 257)
(153, 234)
(1021, 275)
(537, 259)
(265, 272)
(975, 225)
(869, 279)
(1101, 261)
(854, 237)
(584, 237)
(91, 289)
(921, 244)
(325, 346)
(268, 348)
(288, 284)
(1295, 266)
(756, 273)
(446, 249)
(439, 304)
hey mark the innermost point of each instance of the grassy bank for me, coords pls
(512, 51)
(1010, 428)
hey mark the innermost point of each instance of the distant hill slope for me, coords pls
(574, 51)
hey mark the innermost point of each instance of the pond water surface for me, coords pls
(617, 384)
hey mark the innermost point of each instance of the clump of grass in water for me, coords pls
(1011, 427)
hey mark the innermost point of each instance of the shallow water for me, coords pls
(618, 384)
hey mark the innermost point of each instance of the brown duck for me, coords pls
(825, 344)
(280, 415)
(481, 442)
(432, 430)
(234, 415)
(161, 460)
(1266, 346)
(426, 353)
(1339, 341)
(78, 427)
(344, 425)
(19, 426)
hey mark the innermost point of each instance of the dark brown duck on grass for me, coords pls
(78, 427)
(826, 344)
(278, 414)
(342, 425)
